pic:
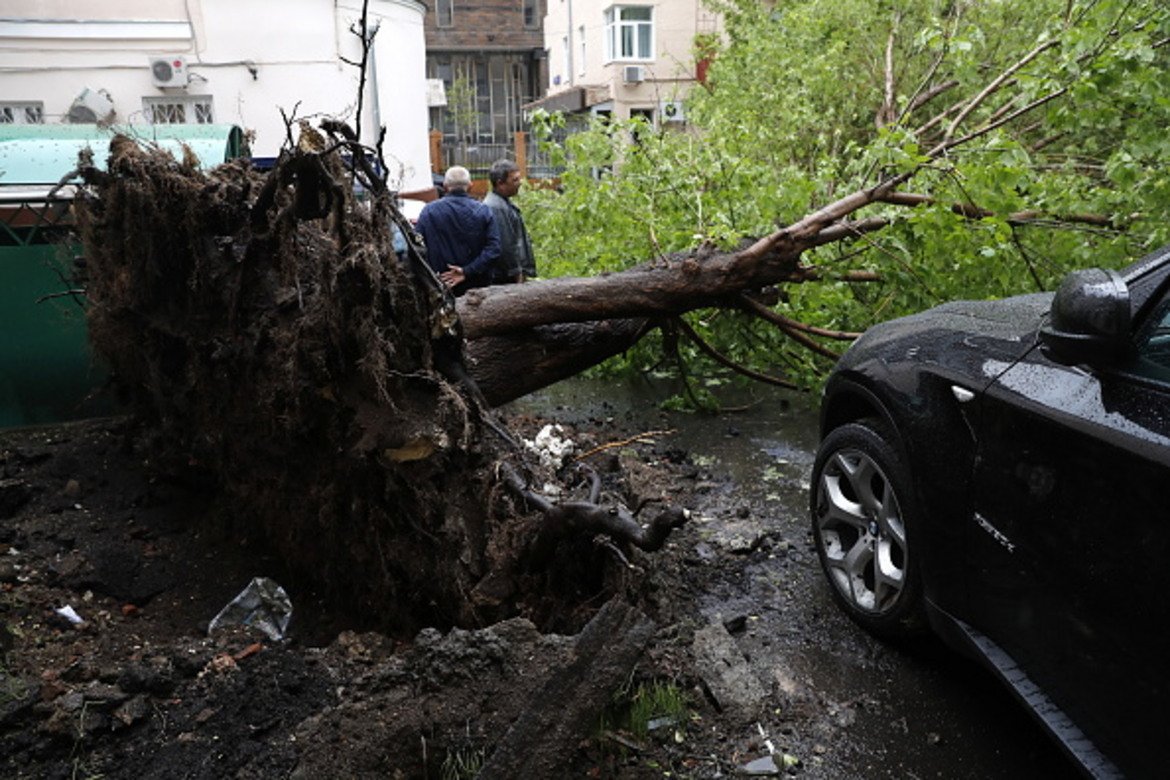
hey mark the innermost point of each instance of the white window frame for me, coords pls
(22, 112)
(191, 110)
(624, 38)
(566, 59)
(581, 50)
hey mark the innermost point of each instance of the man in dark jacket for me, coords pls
(463, 243)
(515, 249)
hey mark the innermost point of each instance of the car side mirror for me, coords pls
(1090, 318)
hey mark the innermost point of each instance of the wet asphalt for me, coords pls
(867, 709)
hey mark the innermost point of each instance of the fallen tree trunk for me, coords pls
(515, 364)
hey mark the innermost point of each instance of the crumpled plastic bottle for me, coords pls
(263, 605)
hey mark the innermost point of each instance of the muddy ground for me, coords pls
(742, 634)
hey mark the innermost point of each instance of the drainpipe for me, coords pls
(375, 108)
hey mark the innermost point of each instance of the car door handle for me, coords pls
(962, 394)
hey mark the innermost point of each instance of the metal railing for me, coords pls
(478, 157)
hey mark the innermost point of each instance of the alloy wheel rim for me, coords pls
(861, 531)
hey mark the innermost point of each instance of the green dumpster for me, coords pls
(47, 372)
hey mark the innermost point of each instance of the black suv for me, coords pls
(1000, 472)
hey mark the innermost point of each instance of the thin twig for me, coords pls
(367, 39)
(71, 293)
(722, 359)
(947, 145)
(641, 438)
(747, 302)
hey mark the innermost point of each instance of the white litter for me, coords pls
(551, 446)
(70, 614)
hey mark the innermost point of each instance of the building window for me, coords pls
(531, 19)
(192, 110)
(629, 33)
(22, 113)
(581, 50)
(485, 95)
(445, 13)
(566, 57)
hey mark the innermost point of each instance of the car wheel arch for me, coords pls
(850, 399)
(849, 402)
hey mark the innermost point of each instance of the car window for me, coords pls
(1153, 348)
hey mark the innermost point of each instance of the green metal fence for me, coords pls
(47, 372)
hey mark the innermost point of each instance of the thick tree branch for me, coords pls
(547, 353)
(972, 211)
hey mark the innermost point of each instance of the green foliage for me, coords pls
(634, 708)
(461, 107)
(463, 764)
(795, 114)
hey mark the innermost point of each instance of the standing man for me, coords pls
(463, 244)
(516, 261)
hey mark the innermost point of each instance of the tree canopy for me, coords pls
(1034, 134)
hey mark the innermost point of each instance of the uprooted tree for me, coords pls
(342, 402)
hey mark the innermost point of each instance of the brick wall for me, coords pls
(484, 24)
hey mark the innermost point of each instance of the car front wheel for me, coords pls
(862, 507)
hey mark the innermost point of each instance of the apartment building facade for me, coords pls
(624, 59)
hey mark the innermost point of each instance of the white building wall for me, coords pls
(252, 57)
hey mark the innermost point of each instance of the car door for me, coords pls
(1069, 541)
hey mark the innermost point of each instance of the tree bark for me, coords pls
(512, 365)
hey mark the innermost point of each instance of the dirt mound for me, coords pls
(139, 689)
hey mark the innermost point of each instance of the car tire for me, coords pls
(863, 515)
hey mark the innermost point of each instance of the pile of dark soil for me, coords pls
(138, 689)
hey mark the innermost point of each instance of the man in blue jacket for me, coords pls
(463, 242)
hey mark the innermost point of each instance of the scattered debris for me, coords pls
(263, 605)
(551, 446)
(70, 614)
(729, 679)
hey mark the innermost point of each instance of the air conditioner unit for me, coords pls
(168, 71)
(91, 107)
(436, 93)
(672, 111)
(633, 74)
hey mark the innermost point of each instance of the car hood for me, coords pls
(971, 340)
